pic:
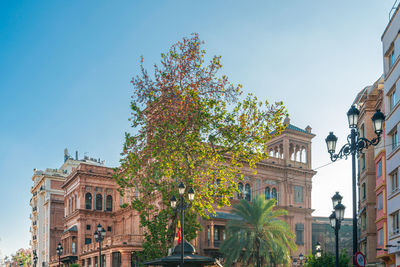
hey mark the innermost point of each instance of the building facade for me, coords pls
(48, 207)
(391, 69)
(91, 198)
(286, 176)
(370, 182)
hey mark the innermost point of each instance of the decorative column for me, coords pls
(212, 234)
(108, 259)
(125, 259)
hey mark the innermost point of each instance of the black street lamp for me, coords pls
(301, 258)
(318, 250)
(335, 219)
(35, 258)
(99, 235)
(59, 253)
(355, 144)
(181, 207)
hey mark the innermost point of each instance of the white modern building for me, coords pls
(48, 207)
(391, 68)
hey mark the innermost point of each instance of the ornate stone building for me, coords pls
(286, 176)
(91, 198)
(48, 206)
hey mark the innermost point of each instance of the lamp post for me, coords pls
(300, 261)
(59, 253)
(335, 219)
(35, 258)
(99, 235)
(181, 207)
(318, 250)
(355, 144)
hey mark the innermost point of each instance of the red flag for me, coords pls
(179, 232)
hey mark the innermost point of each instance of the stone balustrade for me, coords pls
(116, 240)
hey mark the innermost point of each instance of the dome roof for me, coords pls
(187, 249)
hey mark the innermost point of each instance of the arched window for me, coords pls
(248, 192)
(88, 201)
(99, 202)
(240, 189)
(274, 194)
(109, 203)
(267, 193)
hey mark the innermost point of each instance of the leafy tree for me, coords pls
(258, 237)
(190, 126)
(22, 255)
(328, 260)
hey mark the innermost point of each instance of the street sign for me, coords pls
(360, 259)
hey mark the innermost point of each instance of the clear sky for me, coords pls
(65, 68)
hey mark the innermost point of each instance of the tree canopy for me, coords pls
(190, 124)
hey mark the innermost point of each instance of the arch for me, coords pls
(303, 155)
(240, 191)
(247, 190)
(297, 154)
(267, 193)
(109, 203)
(99, 202)
(274, 193)
(271, 153)
(291, 152)
(88, 201)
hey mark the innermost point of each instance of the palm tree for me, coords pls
(258, 237)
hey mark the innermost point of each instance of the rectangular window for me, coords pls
(89, 262)
(363, 191)
(362, 161)
(393, 99)
(392, 59)
(300, 234)
(109, 228)
(380, 237)
(298, 194)
(88, 227)
(88, 241)
(380, 201)
(379, 169)
(394, 181)
(362, 131)
(394, 140)
(395, 222)
(363, 221)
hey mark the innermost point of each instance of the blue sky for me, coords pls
(65, 68)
